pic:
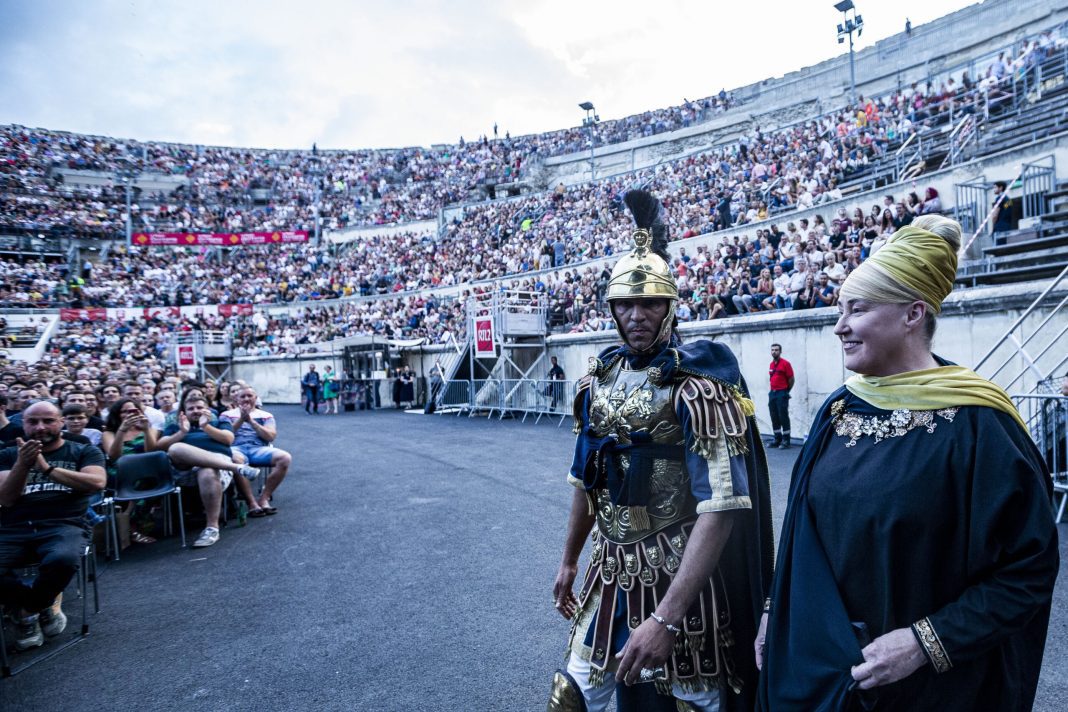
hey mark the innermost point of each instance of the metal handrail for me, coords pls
(903, 161)
(1046, 417)
(962, 134)
(1031, 362)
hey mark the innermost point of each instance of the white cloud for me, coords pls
(362, 74)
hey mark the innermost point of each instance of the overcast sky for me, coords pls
(395, 73)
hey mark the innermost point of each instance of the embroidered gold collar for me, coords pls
(883, 427)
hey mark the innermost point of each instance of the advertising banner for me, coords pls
(217, 239)
(484, 346)
(187, 356)
(94, 314)
(167, 313)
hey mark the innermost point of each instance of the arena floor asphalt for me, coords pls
(409, 567)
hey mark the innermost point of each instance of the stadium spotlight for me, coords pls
(846, 29)
(589, 122)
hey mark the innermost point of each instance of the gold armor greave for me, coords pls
(565, 695)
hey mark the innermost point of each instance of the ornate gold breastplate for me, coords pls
(622, 403)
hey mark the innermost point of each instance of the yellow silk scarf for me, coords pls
(920, 260)
(932, 389)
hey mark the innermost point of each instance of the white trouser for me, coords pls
(597, 698)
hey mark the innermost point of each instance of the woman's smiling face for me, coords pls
(873, 336)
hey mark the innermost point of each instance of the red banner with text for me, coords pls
(217, 239)
(132, 313)
(484, 345)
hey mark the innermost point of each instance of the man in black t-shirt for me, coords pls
(45, 484)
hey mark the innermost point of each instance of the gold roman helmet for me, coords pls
(645, 273)
(642, 273)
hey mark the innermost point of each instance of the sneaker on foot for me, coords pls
(53, 622)
(209, 536)
(29, 633)
(249, 472)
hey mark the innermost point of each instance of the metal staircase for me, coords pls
(1029, 361)
(505, 353)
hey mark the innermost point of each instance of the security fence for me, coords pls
(513, 397)
(1046, 416)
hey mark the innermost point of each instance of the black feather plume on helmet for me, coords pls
(646, 210)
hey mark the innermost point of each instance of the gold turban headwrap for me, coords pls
(913, 264)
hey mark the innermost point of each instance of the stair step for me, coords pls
(1027, 244)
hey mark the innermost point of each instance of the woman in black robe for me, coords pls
(918, 554)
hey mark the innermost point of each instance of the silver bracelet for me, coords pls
(662, 621)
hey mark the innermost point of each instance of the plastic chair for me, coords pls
(144, 476)
(87, 574)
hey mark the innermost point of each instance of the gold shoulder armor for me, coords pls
(715, 409)
(581, 388)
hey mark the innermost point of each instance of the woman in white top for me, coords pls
(835, 270)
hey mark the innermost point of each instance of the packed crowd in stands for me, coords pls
(366, 187)
(796, 267)
(264, 334)
(792, 167)
(723, 191)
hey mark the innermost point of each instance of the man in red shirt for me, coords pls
(781, 374)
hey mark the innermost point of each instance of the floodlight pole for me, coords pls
(126, 177)
(317, 171)
(852, 74)
(846, 29)
(589, 122)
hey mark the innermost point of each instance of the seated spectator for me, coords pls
(902, 217)
(826, 294)
(127, 431)
(199, 445)
(932, 203)
(80, 397)
(106, 395)
(764, 290)
(254, 433)
(76, 420)
(9, 431)
(780, 299)
(136, 392)
(806, 298)
(835, 271)
(45, 484)
(92, 406)
(166, 403)
(224, 399)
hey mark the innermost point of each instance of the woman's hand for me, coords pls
(889, 658)
(134, 422)
(759, 643)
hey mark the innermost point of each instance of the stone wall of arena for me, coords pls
(973, 321)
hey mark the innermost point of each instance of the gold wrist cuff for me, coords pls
(932, 645)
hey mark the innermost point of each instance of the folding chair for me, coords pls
(144, 476)
(87, 574)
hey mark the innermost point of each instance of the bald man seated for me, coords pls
(45, 485)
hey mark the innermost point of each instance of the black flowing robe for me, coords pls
(953, 525)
